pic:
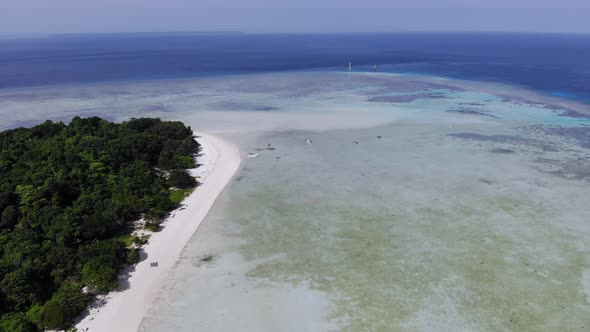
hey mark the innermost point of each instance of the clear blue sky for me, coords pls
(59, 16)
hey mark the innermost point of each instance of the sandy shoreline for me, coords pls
(124, 310)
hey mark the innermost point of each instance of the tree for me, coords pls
(100, 274)
(9, 217)
(68, 194)
(15, 322)
(67, 302)
(17, 287)
(181, 179)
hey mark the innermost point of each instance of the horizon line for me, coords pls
(237, 32)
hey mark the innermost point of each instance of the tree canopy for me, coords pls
(69, 195)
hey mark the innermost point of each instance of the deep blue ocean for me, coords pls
(557, 64)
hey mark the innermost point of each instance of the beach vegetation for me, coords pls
(178, 195)
(140, 240)
(181, 179)
(70, 195)
(152, 226)
(133, 256)
(16, 322)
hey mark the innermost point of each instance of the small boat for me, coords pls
(308, 141)
(154, 264)
(253, 155)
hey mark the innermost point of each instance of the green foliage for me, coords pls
(178, 195)
(154, 215)
(186, 161)
(66, 303)
(16, 322)
(9, 217)
(17, 287)
(132, 256)
(53, 315)
(153, 226)
(181, 179)
(35, 315)
(141, 240)
(68, 195)
(100, 274)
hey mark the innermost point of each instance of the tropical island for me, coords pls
(71, 196)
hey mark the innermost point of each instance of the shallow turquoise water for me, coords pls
(468, 213)
(416, 230)
(412, 231)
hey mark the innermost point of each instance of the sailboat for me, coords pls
(350, 66)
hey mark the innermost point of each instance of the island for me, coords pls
(72, 197)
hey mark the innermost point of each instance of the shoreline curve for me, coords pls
(124, 309)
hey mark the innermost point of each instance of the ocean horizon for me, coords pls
(551, 63)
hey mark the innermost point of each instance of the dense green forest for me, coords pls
(69, 196)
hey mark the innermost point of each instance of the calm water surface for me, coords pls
(422, 204)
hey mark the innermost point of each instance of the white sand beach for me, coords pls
(124, 310)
